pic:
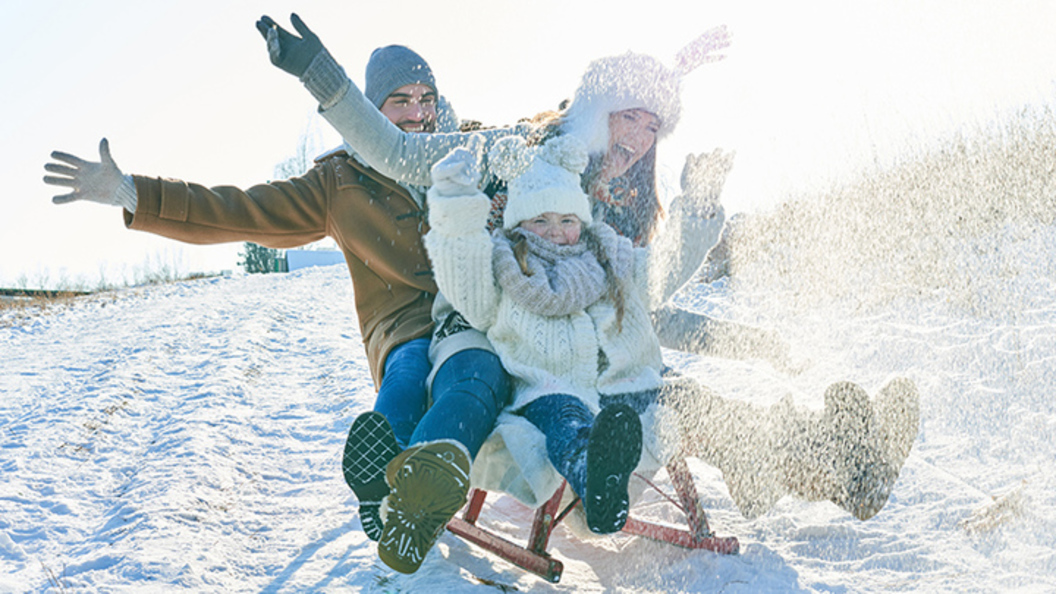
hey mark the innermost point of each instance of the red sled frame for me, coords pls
(534, 558)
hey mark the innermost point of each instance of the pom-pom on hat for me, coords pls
(392, 67)
(541, 179)
(617, 83)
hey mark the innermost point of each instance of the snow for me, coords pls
(186, 437)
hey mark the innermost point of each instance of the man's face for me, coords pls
(412, 108)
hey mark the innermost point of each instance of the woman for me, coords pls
(849, 453)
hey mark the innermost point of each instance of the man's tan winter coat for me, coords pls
(376, 223)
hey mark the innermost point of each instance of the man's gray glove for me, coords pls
(100, 182)
(702, 179)
(287, 51)
(458, 173)
(306, 58)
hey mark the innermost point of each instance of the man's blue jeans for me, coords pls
(468, 391)
(402, 397)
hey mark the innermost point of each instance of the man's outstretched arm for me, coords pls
(402, 156)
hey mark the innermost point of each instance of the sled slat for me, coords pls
(541, 565)
(476, 503)
(682, 538)
(544, 522)
(686, 489)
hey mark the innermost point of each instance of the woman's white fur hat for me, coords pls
(630, 81)
(541, 179)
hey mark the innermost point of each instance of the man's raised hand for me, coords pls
(95, 182)
(286, 50)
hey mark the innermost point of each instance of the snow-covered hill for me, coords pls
(187, 437)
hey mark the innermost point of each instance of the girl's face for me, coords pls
(562, 229)
(632, 132)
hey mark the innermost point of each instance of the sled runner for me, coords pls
(533, 556)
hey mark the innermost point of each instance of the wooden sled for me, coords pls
(534, 558)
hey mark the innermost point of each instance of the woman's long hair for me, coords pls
(640, 212)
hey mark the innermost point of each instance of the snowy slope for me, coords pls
(187, 438)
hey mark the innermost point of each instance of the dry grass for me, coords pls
(15, 310)
(926, 225)
(38, 300)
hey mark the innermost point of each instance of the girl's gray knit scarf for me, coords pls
(565, 278)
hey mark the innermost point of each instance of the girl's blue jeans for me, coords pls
(566, 422)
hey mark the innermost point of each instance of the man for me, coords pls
(378, 224)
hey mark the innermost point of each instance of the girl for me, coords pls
(564, 302)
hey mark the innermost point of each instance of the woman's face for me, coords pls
(562, 229)
(632, 132)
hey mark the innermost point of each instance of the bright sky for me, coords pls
(808, 92)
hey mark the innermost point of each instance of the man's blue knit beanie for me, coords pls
(392, 67)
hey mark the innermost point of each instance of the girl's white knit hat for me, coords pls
(541, 179)
(617, 83)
